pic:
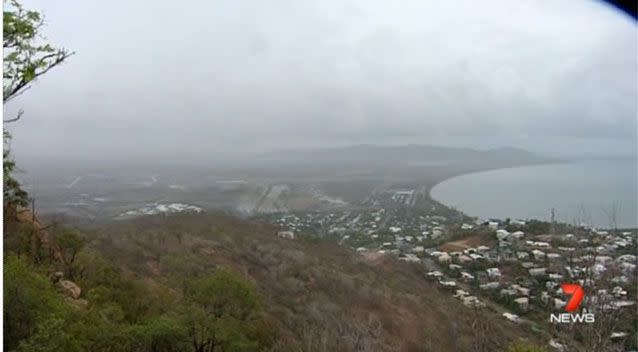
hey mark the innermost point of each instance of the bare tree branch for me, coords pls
(20, 113)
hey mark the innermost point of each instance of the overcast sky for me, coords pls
(154, 77)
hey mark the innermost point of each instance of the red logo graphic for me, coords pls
(577, 293)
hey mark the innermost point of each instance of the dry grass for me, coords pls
(321, 297)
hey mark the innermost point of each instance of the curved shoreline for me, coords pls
(580, 191)
(438, 182)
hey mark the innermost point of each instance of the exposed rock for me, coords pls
(26, 216)
(70, 289)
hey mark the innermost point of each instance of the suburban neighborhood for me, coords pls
(513, 266)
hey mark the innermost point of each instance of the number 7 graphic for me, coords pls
(577, 293)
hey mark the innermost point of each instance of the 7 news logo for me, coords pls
(577, 294)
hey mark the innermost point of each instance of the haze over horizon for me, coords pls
(151, 79)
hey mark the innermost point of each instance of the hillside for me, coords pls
(408, 154)
(315, 295)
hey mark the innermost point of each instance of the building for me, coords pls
(493, 273)
(286, 234)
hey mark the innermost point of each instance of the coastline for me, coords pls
(478, 171)
(580, 192)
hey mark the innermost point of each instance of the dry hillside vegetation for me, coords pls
(318, 296)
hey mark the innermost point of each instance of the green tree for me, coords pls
(525, 347)
(70, 243)
(25, 59)
(51, 336)
(222, 313)
(161, 334)
(94, 332)
(31, 304)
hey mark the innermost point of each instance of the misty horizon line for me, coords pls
(254, 155)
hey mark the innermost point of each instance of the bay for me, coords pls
(583, 191)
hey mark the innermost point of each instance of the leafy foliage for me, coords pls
(70, 243)
(145, 289)
(525, 347)
(221, 311)
(31, 305)
(25, 59)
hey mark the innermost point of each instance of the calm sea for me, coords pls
(580, 191)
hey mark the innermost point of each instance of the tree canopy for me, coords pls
(26, 58)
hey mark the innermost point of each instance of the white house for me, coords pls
(490, 286)
(522, 255)
(286, 234)
(436, 232)
(493, 272)
(618, 291)
(475, 256)
(434, 274)
(523, 303)
(465, 276)
(553, 256)
(444, 258)
(471, 301)
(502, 234)
(542, 244)
(448, 283)
(538, 255)
(537, 272)
(508, 291)
(512, 317)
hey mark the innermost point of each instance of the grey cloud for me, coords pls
(251, 75)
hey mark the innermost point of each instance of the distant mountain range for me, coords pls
(408, 154)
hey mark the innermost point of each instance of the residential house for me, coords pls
(536, 272)
(523, 303)
(493, 273)
(286, 234)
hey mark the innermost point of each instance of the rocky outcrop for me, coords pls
(14, 218)
(70, 288)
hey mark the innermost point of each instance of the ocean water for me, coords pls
(587, 191)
